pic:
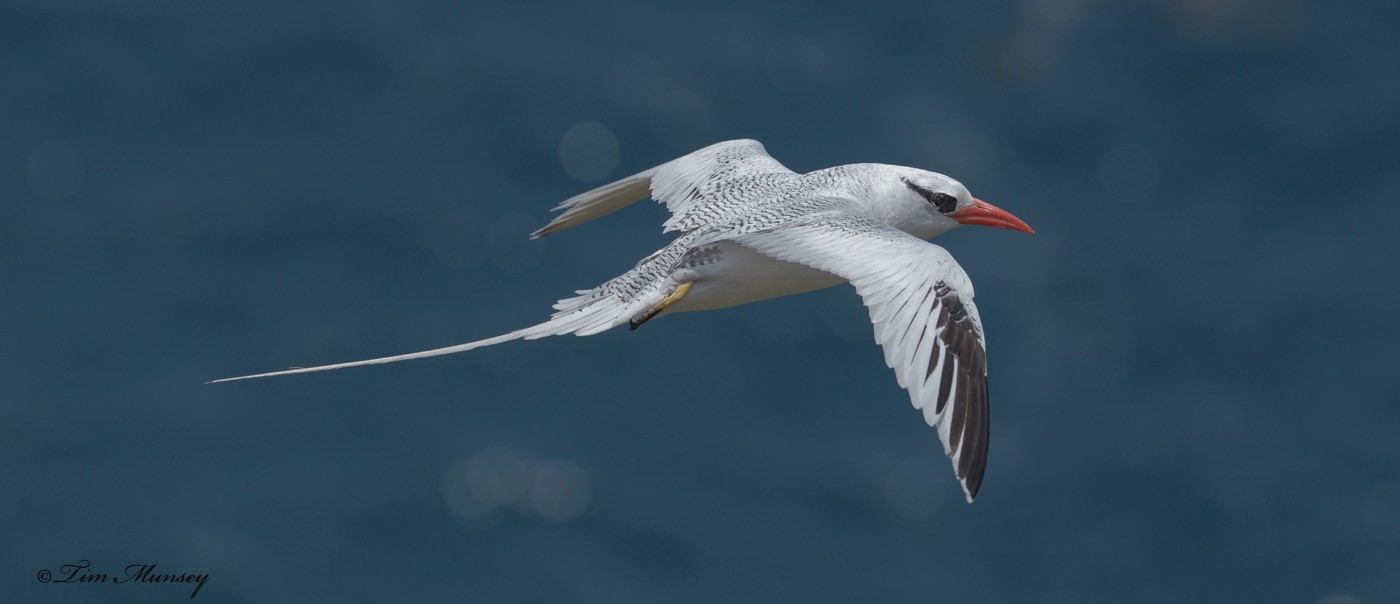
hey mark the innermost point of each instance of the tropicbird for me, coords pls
(751, 229)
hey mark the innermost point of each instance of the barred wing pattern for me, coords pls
(716, 183)
(920, 302)
(703, 187)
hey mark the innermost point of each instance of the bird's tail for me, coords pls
(584, 315)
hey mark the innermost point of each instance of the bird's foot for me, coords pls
(672, 298)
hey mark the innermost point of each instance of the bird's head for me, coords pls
(930, 203)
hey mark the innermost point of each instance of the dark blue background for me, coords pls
(1193, 361)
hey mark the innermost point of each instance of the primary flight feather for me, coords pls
(751, 229)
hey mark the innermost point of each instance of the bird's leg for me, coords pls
(672, 298)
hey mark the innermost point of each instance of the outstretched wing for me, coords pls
(713, 184)
(700, 188)
(920, 302)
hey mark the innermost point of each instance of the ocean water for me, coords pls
(1193, 361)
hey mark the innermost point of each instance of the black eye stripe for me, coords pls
(943, 201)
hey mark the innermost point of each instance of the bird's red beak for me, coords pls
(986, 214)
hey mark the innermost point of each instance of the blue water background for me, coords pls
(1193, 362)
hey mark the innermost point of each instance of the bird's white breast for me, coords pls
(728, 274)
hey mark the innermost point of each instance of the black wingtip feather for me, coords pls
(966, 387)
(977, 438)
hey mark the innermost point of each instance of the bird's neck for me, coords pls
(916, 223)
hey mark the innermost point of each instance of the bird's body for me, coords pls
(728, 274)
(751, 230)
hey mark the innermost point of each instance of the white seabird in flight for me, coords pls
(751, 229)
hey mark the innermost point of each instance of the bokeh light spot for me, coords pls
(461, 501)
(457, 239)
(479, 490)
(560, 490)
(510, 246)
(498, 476)
(588, 151)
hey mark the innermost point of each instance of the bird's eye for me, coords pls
(943, 201)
